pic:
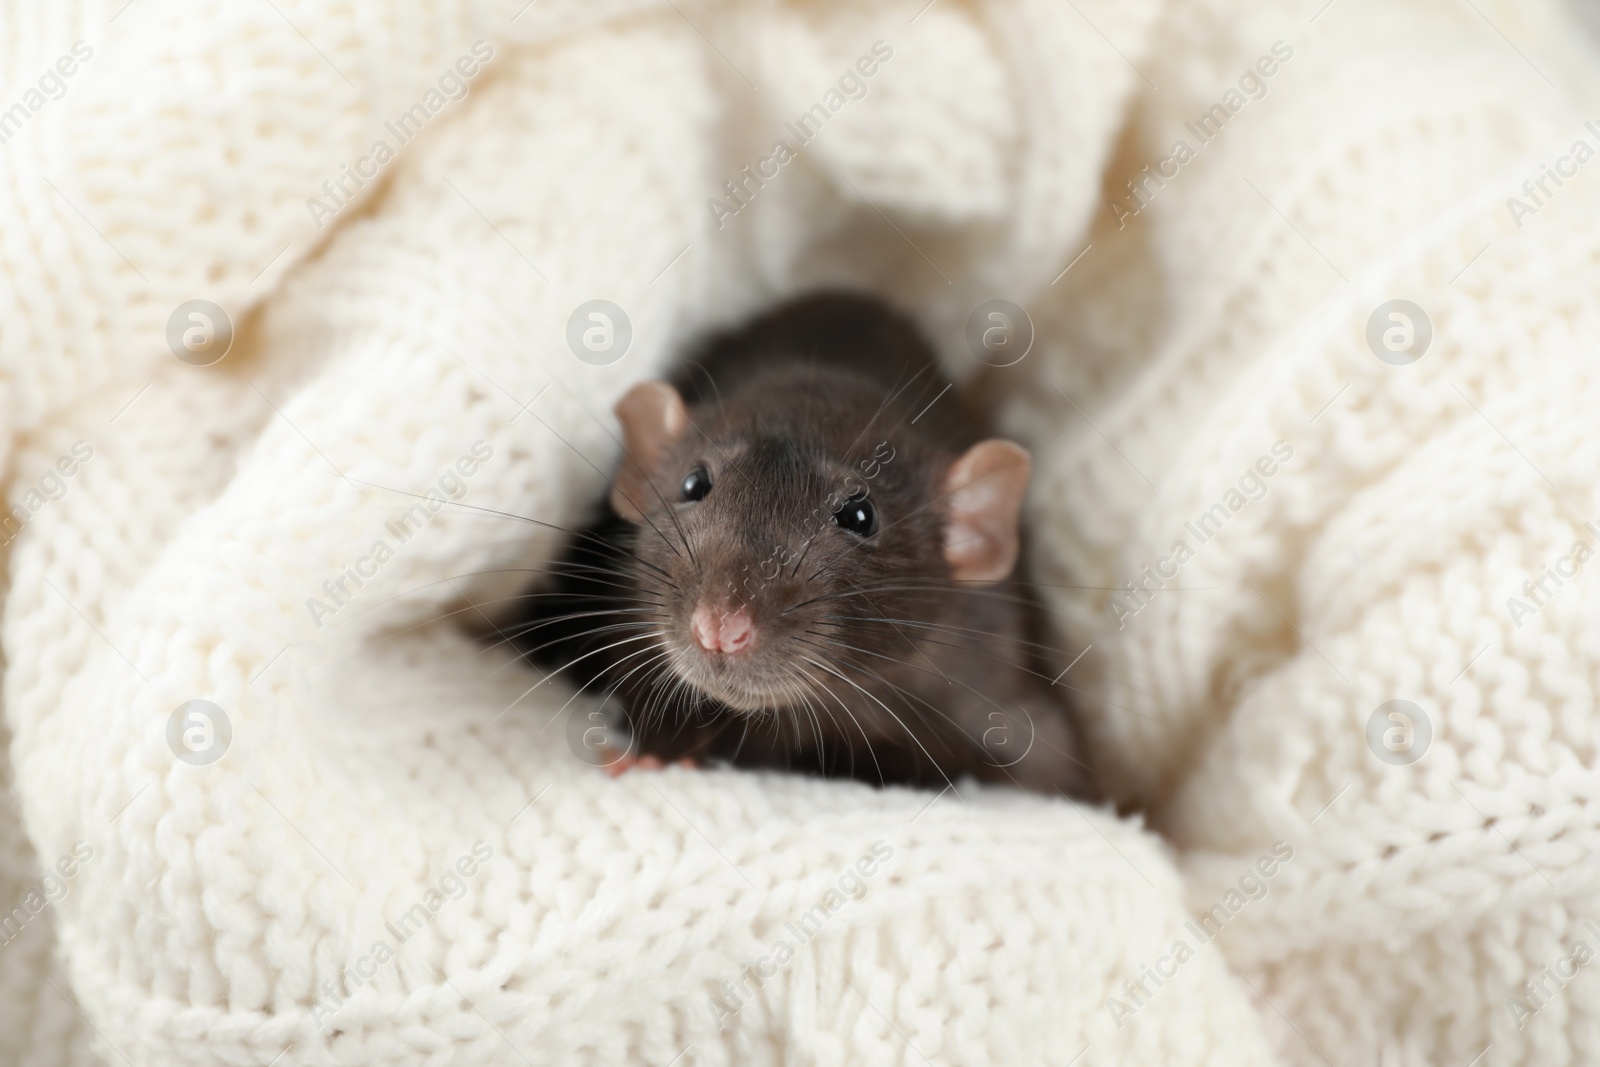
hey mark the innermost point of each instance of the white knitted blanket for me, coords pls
(371, 843)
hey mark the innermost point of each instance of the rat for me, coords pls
(808, 564)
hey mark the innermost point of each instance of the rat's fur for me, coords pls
(871, 660)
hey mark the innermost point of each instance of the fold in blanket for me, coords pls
(307, 819)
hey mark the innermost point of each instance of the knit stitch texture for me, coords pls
(387, 780)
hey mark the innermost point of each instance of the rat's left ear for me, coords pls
(985, 488)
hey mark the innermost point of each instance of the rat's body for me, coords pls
(812, 558)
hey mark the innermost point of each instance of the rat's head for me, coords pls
(767, 525)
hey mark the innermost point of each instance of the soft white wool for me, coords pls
(1234, 704)
(369, 755)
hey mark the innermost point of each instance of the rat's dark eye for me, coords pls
(858, 516)
(696, 485)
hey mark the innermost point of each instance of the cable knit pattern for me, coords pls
(379, 751)
(1234, 700)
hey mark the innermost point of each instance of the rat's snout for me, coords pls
(721, 630)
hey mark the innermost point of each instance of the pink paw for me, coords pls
(620, 762)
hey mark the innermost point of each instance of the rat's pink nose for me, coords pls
(722, 631)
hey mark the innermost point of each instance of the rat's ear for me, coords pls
(652, 419)
(985, 488)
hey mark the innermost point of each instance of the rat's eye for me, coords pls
(858, 516)
(696, 485)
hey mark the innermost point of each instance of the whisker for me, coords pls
(909, 732)
(865, 740)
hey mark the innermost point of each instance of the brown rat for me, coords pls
(809, 565)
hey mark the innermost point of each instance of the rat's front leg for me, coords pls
(606, 737)
(681, 736)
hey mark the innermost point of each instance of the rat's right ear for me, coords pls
(653, 419)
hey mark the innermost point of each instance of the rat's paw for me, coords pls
(620, 762)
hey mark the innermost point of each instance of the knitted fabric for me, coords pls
(399, 857)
